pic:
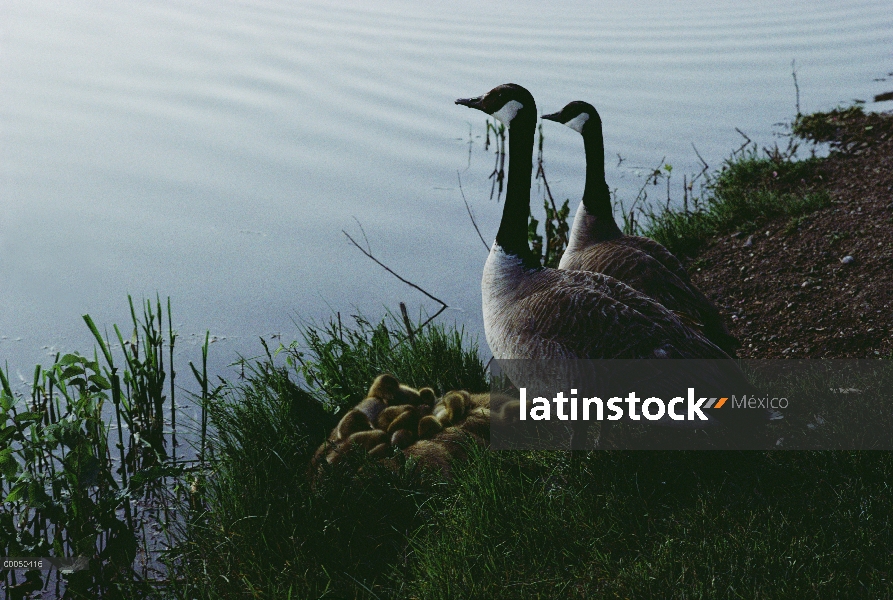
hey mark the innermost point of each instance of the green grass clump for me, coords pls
(339, 361)
(261, 526)
(661, 525)
(515, 524)
(828, 126)
(259, 529)
(84, 464)
(746, 192)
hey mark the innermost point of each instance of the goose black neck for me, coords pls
(512, 234)
(596, 196)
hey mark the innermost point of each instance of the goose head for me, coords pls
(504, 102)
(576, 115)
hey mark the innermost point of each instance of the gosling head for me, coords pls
(576, 115)
(504, 102)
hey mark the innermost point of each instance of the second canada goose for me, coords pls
(533, 312)
(597, 244)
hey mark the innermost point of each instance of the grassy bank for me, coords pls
(257, 526)
(748, 191)
(515, 524)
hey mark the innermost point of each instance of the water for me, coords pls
(213, 152)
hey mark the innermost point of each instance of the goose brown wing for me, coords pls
(641, 271)
(656, 251)
(714, 326)
(596, 316)
(568, 315)
(591, 316)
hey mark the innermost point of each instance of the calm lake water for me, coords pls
(214, 151)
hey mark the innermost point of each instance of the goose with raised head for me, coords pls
(597, 244)
(533, 312)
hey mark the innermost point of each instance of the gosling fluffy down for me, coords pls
(395, 417)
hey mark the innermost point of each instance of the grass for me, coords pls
(514, 524)
(259, 527)
(76, 485)
(340, 361)
(526, 524)
(652, 524)
(253, 523)
(748, 191)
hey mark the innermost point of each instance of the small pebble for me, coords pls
(749, 242)
(847, 260)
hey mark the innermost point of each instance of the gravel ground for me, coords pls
(820, 286)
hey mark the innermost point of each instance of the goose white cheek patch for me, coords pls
(577, 122)
(508, 112)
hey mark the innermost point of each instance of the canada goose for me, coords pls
(597, 244)
(533, 312)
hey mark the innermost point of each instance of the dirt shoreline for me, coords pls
(786, 288)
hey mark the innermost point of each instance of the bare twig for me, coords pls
(700, 158)
(641, 197)
(432, 317)
(703, 171)
(541, 174)
(470, 214)
(443, 305)
(391, 271)
(498, 173)
(470, 144)
(796, 85)
(407, 323)
(363, 231)
(642, 194)
(747, 142)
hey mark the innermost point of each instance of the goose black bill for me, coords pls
(477, 103)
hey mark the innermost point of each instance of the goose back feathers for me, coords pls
(551, 314)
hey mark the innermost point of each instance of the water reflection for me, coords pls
(214, 152)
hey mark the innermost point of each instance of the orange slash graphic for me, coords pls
(720, 403)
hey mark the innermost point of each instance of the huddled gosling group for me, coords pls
(395, 417)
